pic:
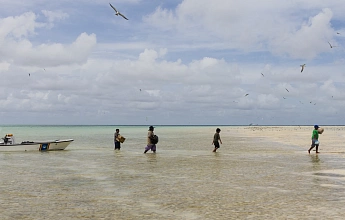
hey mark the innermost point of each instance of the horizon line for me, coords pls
(162, 125)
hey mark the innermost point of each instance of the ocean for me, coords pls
(248, 178)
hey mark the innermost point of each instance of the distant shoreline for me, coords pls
(22, 125)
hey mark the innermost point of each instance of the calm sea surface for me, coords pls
(248, 178)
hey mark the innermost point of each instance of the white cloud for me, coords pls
(148, 56)
(45, 55)
(53, 16)
(4, 66)
(153, 92)
(309, 40)
(18, 27)
(17, 48)
(249, 26)
(194, 62)
(201, 87)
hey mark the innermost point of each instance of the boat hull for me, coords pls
(37, 146)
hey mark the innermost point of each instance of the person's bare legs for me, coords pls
(311, 147)
(317, 149)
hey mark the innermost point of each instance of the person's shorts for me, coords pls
(117, 145)
(151, 147)
(216, 144)
(314, 142)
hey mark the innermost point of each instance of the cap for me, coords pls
(316, 126)
(151, 127)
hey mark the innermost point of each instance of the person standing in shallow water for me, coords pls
(117, 140)
(315, 139)
(216, 140)
(150, 145)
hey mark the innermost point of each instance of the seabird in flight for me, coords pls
(117, 12)
(331, 45)
(302, 67)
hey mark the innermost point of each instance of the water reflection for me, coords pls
(118, 153)
(217, 154)
(315, 160)
(151, 158)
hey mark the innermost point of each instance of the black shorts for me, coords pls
(117, 145)
(216, 144)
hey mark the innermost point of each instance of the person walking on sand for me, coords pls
(216, 140)
(117, 140)
(150, 144)
(315, 139)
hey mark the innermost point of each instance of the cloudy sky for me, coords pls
(181, 62)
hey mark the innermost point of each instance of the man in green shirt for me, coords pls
(315, 139)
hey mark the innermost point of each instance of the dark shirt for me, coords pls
(115, 136)
(216, 137)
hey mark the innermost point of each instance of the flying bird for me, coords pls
(287, 90)
(246, 94)
(338, 33)
(117, 12)
(29, 74)
(262, 74)
(302, 67)
(284, 98)
(331, 45)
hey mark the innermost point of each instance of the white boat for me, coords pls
(8, 143)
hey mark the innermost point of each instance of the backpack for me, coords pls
(154, 139)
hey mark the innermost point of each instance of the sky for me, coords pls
(174, 62)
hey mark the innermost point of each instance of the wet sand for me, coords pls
(331, 141)
(258, 173)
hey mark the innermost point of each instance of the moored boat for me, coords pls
(8, 143)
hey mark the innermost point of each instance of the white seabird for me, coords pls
(117, 12)
(302, 67)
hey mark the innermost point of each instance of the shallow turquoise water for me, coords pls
(246, 179)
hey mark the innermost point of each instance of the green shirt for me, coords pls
(315, 134)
